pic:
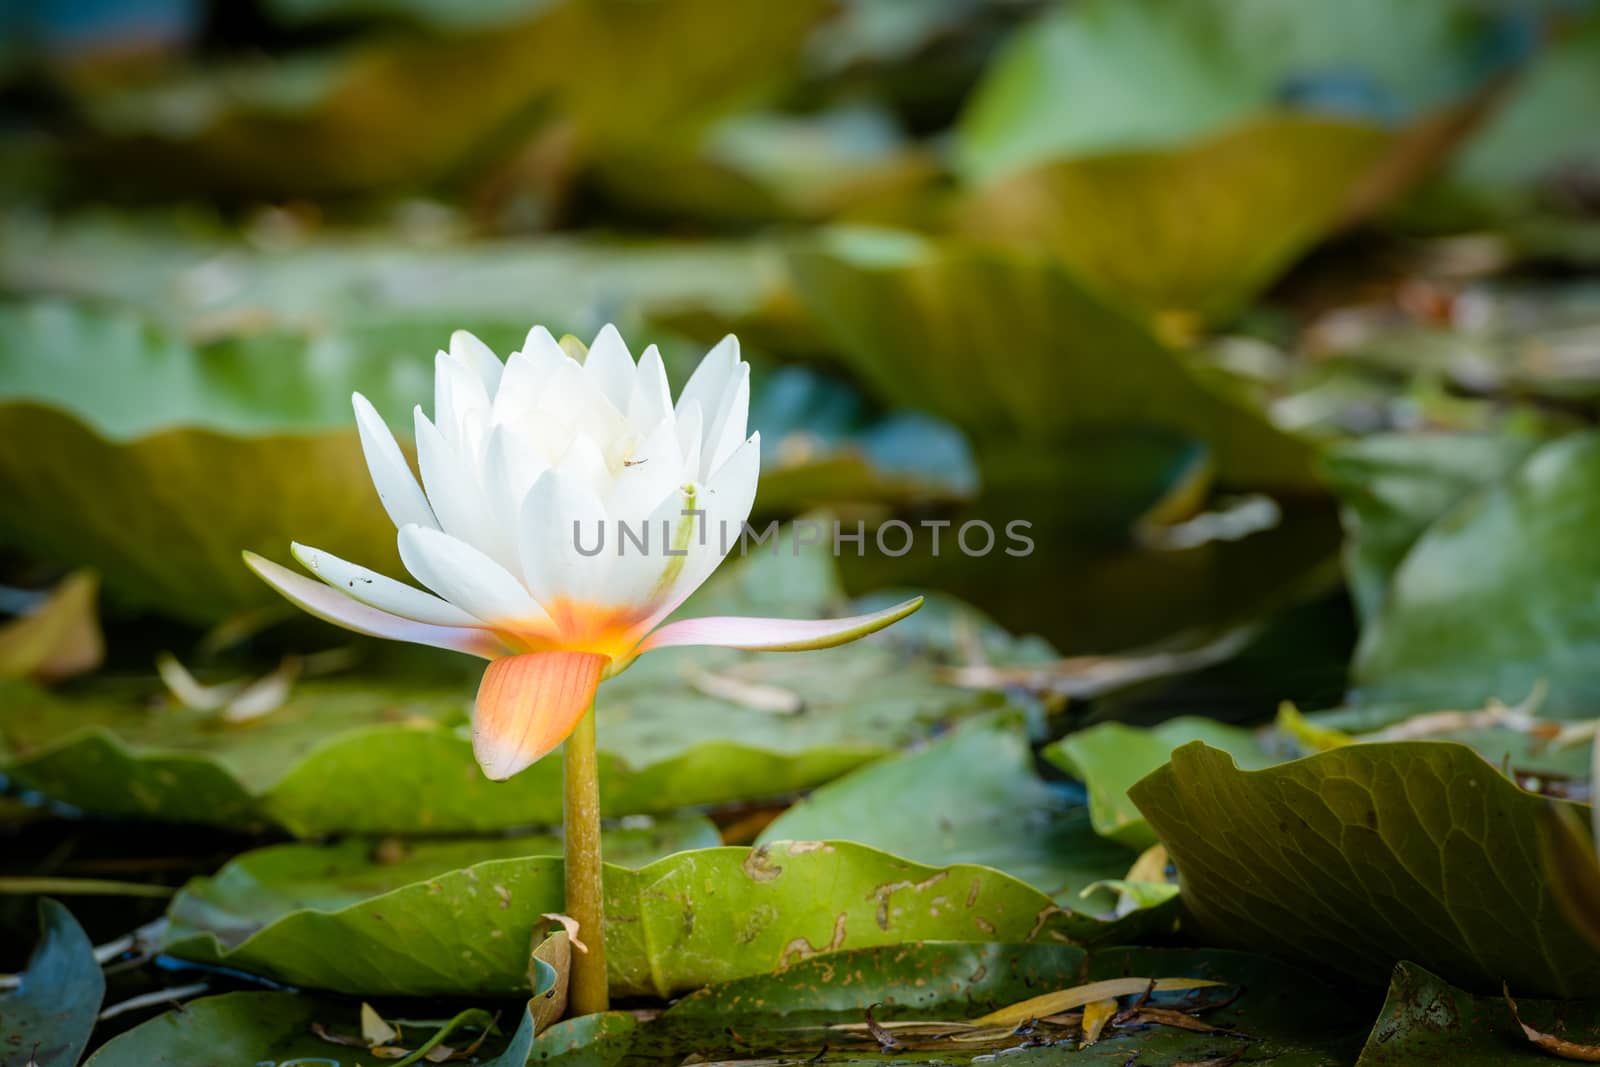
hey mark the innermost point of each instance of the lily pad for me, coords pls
(691, 919)
(256, 889)
(1076, 81)
(1495, 596)
(1291, 1017)
(1427, 1020)
(1110, 757)
(47, 1021)
(1007, 346)
(1199, 229)
(971, 797)
(1393, 486)
(596, 1040)
(1514, 165)
(1370, 854)
(231, 1028)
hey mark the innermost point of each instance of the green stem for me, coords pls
(586, 991)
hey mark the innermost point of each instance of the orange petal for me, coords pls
(527, 705)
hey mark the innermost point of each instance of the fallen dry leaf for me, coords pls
(1549, 1043)
(59, 638)
(1096, 1016)
(1078, 996)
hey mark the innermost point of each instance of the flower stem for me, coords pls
(586, 991)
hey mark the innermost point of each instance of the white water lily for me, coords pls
(522, 465)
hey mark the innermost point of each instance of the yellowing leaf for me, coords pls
(59, 638)
(1079, 996)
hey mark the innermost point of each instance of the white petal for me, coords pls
(650, 397)
(467, 578)
(510, 467)
(460, 406)
(561, 515)
(690, 434)
(379, 590)
(543, 348)
(644, 567)
(397, 487)
(727, 432)
(453, 488)
(609, 365)
(330, 605)
(584, 464)
(710, 379)
(775, 635)
(478, 358)
(726, 501)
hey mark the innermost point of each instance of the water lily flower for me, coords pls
(527, 466)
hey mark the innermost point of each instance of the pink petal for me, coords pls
(330, 605)
(528, 704)
(775, 635)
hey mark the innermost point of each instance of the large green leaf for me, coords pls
(1008, 346)
(1538, 137)
(1292, 1017)
(1199, 229)
(1077, 80)
(688, 920)
(972, 797)
(1366, 855)
(1496, 596)
(1425, 1020)
(253, 891)
(1393, 486)
(1110, 757)
(47, 1020)
(232, 1028)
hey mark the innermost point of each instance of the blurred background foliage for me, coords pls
(1141, 273)
(1278, 320)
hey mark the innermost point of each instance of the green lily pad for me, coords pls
(232, 1028)
(1199, 229)
(1007, 346)
(256, 889)
(1495, 596)
(1291, 1016)
(252, 1028)
(691, 919)
(47, 1020)
(1514, 164)
(1110, 757)
(1393, 486)
(588, 1041)
(971, 797)
(1076, 81)
(1426, 1020)
(365, 755)
(1366, 855)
